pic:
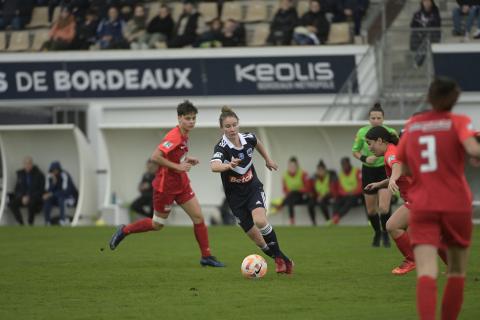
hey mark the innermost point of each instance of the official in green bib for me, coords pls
(377, 201)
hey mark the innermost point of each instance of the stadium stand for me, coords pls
(39, 18)
(19, 41)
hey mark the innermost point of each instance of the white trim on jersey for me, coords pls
(215, 160)
(241, 170)
(231, 145)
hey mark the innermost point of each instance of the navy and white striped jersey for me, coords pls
(242, 178)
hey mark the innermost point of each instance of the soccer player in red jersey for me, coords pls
(384, 144)
(171, 184)
(432, 150)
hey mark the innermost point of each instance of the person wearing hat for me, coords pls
(59, 191)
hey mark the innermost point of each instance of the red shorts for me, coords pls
(440, 228)
(162, 202)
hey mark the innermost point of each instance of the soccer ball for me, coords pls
(254, 266)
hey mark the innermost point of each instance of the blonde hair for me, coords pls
(227, 112)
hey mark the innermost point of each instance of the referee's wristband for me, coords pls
(363, 158)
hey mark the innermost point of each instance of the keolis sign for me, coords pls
(174, 77)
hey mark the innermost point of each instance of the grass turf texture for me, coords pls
(62, 273)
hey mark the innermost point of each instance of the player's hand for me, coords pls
(392, 186)
(25, 200)
(193, 161)
(271, 165)
(370, 186)
(234, 163)
(184, 167)
(474, 162)
(371, 159)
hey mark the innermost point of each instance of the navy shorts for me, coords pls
(243, 205)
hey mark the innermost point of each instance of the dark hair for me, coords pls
(321, 164)
(380, 132)
(443, 93)
(345, 160)
(377, 107)
(227, 112)
(293, 159)
(186, 107)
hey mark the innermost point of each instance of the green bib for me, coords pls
(294, 183)
(323, 187)
(349, 183)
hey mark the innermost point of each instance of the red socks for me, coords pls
(426, 297)
(201, 234)
(452, 298)
(143, 225)
(403, 244)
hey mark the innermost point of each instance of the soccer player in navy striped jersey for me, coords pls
(233, 158)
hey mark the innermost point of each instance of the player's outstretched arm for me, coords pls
(269, 163)
(218, 166)
(158, 157)
(472, 147)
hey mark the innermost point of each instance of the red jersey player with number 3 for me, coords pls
(171, 184)
(432, 150)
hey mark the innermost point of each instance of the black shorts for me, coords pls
(242, 206)
(372, 174)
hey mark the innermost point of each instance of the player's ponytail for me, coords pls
(227, 112)
(382, 133)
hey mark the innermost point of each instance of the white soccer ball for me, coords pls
(254, 267)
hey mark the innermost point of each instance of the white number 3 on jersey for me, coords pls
(429, 153)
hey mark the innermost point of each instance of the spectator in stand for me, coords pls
(86, 34)
(143, 204)
(427, 17)
(323, 185)
(348, 10)
(234, 34)
(212, 38)
(135, 30)
(188, 26)
(77, 7)
(62, 33)
(28, 191)
(125, 8)
(59, 191)
(349, 190)
(101, 7)
(110, 31)
(314, 26)
(470, 9)
(160, 28)
(283, 24)
(16, 13)
(296, 187)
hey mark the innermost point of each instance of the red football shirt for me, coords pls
(403, 183)
(174, 147)
(432, 147)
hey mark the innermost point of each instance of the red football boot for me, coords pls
(289, 264)
(404, 268)
(280, 265)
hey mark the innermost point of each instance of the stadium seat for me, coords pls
(257, 11)
(39, 38)
(19, 41)
(56, 13)
(3, 41)
(153, 9)
(259, 35)
(39, 18)
(339, 33)
(209, 10)
(176, 8)
(272, 9)
(302, 7)
(232, 10)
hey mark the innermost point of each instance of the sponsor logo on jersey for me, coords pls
(242, 179)
(217, 155)
(241, 156)
(167, 144)
(391, 158)
(250, 152)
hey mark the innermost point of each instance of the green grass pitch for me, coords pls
(62, 273)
